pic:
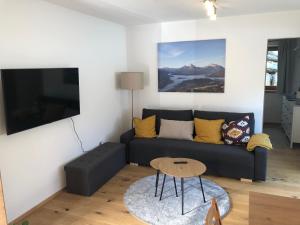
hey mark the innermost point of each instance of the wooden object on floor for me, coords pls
(181, 168)
(246, 180)
(3, 220)
(213, 214)
(266, 209)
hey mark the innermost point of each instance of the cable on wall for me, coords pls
(75, 131)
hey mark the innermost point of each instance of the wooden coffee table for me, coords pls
(181, 168)
(155, 165)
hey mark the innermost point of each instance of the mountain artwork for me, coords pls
(192, 66)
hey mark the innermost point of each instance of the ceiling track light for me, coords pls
(211, 9)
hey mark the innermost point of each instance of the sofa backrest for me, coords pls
(227, 116)
(182, 115)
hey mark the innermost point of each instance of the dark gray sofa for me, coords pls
(221, 160)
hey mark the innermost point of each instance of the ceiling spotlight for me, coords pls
(213, 16)
(211, 9)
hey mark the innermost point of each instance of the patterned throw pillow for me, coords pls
(236, 132)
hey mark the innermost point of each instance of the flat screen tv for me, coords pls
(33, 97)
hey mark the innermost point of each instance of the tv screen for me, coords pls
(33, 97)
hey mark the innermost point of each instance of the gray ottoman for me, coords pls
(86, 174)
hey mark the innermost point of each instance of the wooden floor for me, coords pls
(2, 206)
(106, 206)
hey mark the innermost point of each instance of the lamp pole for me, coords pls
(132, 108)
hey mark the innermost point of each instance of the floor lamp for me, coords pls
(132, 81)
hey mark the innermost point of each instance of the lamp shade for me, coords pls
(132, 80)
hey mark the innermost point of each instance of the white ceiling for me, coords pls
(134, 12)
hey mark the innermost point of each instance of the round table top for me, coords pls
(181, 167)
(155, 162)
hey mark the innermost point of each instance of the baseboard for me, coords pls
(133, 164)
(25, 215)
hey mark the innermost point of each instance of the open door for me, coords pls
(3, 220)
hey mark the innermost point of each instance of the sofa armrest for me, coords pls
(261, 155)
(126, 138)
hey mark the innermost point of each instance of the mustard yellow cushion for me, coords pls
(145, 128)
(208, 131)
(259, 140)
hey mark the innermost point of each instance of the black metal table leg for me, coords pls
(182, 196)
(202, 189)
(162, 188)
(175, 186)
(156, 182)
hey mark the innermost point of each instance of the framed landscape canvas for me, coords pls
(192, 66)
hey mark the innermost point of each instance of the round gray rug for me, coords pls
(140, 201)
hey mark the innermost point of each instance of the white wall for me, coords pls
(272, 108)
(245, 59)
(34, 33)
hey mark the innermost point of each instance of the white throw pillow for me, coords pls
(176, 129)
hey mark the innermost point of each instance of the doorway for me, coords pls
(282, 84)
(282, 108)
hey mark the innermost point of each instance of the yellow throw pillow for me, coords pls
(208, 131)
(145, 128)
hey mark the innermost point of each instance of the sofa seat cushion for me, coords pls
(221, 160)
